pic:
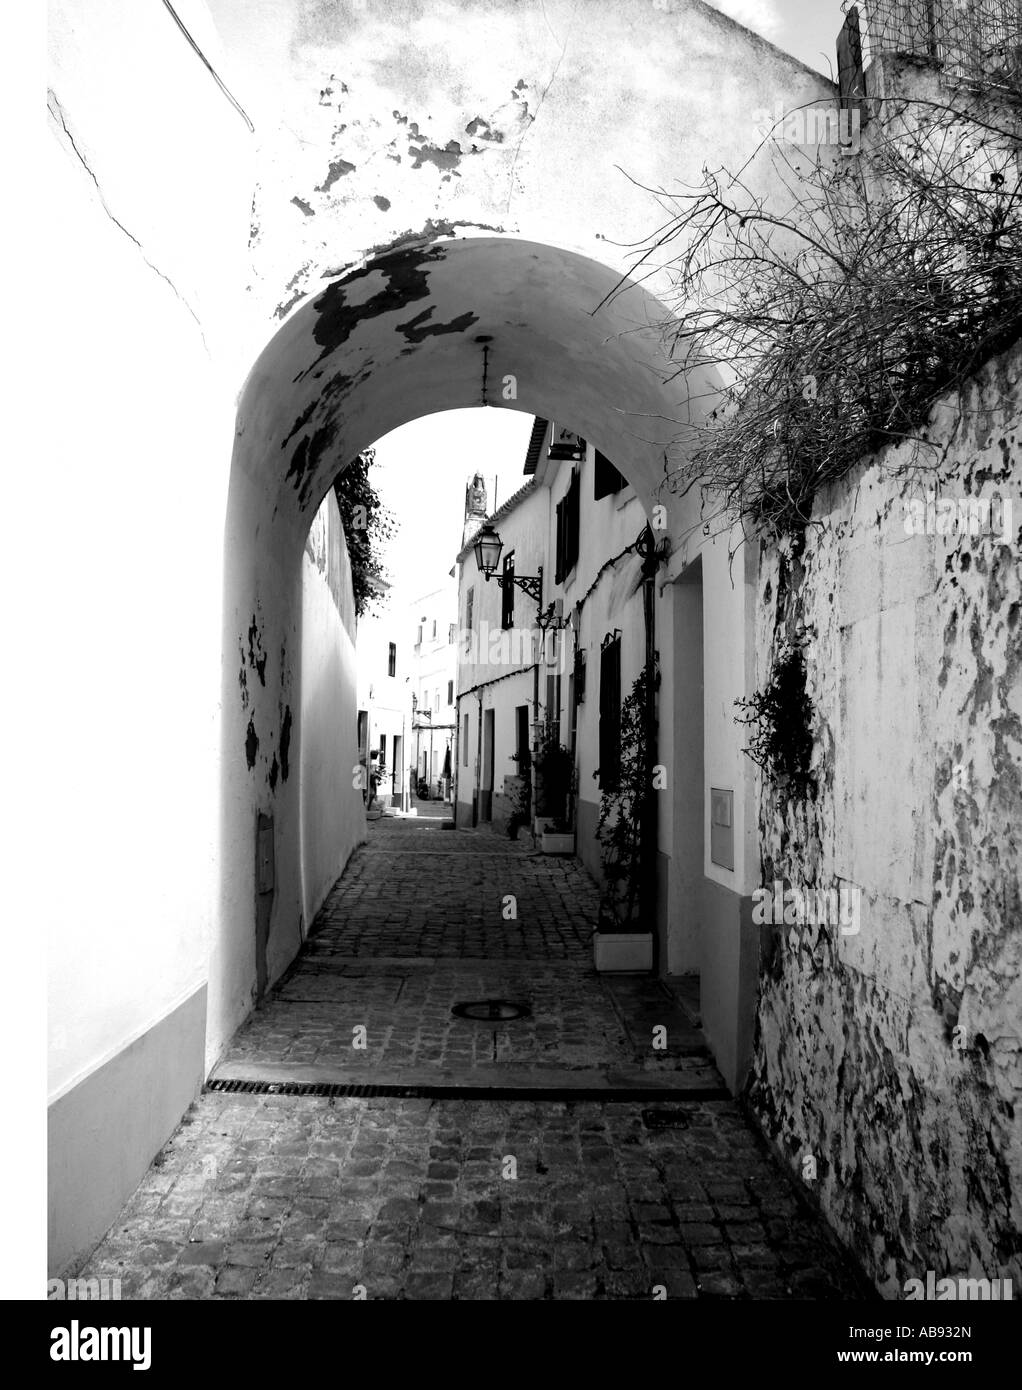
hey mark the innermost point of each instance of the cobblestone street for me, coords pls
(560, 1155)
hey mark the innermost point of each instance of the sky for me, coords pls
(808, 29)
(421, 472)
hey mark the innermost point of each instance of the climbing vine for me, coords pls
(624, 805)
(780, 715)
(368, 525)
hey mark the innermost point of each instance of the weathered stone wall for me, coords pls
(892, 1055)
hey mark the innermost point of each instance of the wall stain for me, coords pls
(446, 159)
(415, 334)
(481, 127)
(251, 745)
(272, 775)
(286, 305)
(285, 743)
(256, 655)
(338, 169)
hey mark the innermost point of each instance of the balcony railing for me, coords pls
(973, 41)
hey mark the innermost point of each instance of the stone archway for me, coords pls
(420, 328)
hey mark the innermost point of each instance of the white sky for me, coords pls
(807, 29)
(421, 471)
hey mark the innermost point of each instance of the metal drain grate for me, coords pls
(533, 1094)
(308, 1088)
(665, 1119)
(491, 1010)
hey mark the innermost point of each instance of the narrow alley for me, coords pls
(358, 1140)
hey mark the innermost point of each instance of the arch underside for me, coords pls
(399, 338)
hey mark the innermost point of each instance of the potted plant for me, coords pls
(556, 836)
(554, 774)
(623, 941)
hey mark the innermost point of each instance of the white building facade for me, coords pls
(384, 661)
(566, 678)
(434, 662)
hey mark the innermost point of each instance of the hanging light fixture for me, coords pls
(488, 546)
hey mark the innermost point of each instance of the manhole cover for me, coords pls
(665, 1119)
(491, 1010)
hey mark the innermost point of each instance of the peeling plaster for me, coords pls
(339, 169)
(256, 655)
(895, 1054)
(285, 743)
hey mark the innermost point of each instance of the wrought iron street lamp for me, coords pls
(487, 547)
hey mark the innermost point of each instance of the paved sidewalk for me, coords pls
(560, 1155)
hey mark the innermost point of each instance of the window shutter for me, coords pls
(571, 524)
(610, 714)
(606, 478)
(507, 593)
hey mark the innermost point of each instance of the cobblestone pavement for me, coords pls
(418, 890)
(281, 1197)
(413, 889)
(473, 1193)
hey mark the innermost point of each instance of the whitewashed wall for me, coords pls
(893, 1055)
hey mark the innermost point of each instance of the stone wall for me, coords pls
(891, 1054)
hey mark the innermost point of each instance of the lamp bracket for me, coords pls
(532, 584)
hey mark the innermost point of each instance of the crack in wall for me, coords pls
(57, 113)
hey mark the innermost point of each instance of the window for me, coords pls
(450, 692)
(606, 479)
(363, 734)
(436, 707)
(469, 604)
(392, 660)
(383, 748)
(507, 593)
(464, 743)
(434, 629)
(567, 530)
(610, 712)
(418, 639)
(452, 635)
